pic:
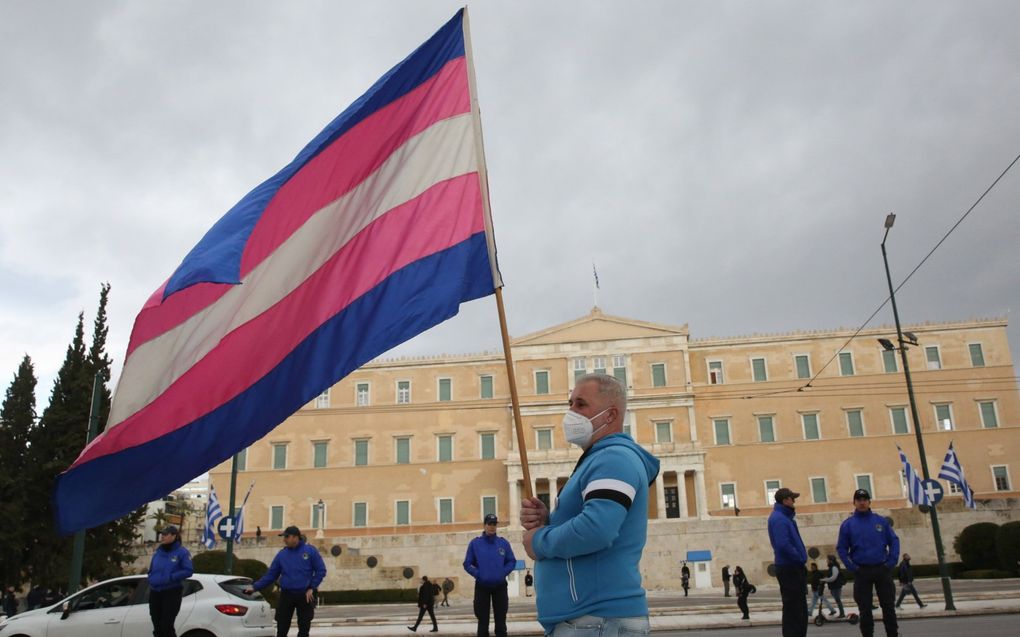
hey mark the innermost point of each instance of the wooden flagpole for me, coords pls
(483, 176)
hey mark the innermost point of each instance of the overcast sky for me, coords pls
(725, 164)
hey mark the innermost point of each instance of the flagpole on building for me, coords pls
(228, 563)
(483, 178)
(940, 552)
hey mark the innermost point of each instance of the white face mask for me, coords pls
(578, 430)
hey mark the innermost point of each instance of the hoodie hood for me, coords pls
(650, 462)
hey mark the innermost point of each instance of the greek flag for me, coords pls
(596, 274)
(212, 516)
(915, 487)
(239, 521)
(953, 472)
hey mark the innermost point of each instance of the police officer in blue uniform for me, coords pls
(869, 548)
(170, 566)
(489, 560)
(300, 569)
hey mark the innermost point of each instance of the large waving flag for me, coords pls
(915, 486)
(952, 471)
(378, 230)
(213, 513)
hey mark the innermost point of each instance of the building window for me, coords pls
(280, 456)
(722, 431)
(322, 400)
(977, 355)
(803, 364)
(488, 505)
(487, 443)
(543, 438)
(728, 491)
(864, 482)
(319, 450)
(242, 460)
(989, 420)
(361, 514)
(362, 396)
(953, 488)
(542, 382)
(403, 450)
(620, 369)
(318, 516)
(445, 389)
(819, 494)
(1000, 474)
(889, 361)
(659, 375)
(931, 354)
(628, 427)
(663, 431)
(899, 420)
(598, 364)
(276, 517)
(715, 373)
(444, 448)
(846, 364)
(486, 386)
(402, 513)
(771, 486)
(855, 423)
(403, 392)
(580, 369)
(944, 417)
(445, 510)
(758, 371)
(360, 453)
(810, 422)
(766, 429)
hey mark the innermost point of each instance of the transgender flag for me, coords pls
(378, 230)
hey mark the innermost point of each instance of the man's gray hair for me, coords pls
(610, 388)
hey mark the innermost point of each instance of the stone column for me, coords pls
(515, 504)
(681, 483)
(660, 495)
(699, 488)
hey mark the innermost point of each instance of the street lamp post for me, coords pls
(947, 589)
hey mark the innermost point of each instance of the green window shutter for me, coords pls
(360, 453)
(488, 446)
(803, 366)
(811, 427)
(279, 456)
(659, 375)
(846, 364)
(446, 511)
(977, 355)
(242, 460)
(943, 415)
(722, 432)
(486, 386)
(444, 388)
(864, 482)
(663, 432)
(360, 514)
(818, 492)
(766, 429)
(988, 418)
(899, 418)
(445, 448)
(855, 423)
(620, 373)
(276, 517)
(542, 382)
(319, 451)
(403, 450)
(545, 439)
(931, 353)
(889, 361)
(729, 495)
(758, 370)
(403, 512)
(488, 505)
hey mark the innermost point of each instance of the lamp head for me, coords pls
(886, 344)
(911, 337)
(890, 219)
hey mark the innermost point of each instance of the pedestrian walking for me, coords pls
(906, 576)
(818, 591)
(685, 578)
(834, 580)
(743, 588)
(790, 556)
(299, 569)
(447, 589)
(170, 566)
(258, 535)
(10, 602)
(587, 552)
(35, 597)
(426, 603)
(489, 559)
(869, 548)
(529, 581)
(726, 580)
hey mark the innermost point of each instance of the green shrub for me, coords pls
(376, 596)
(976, 546)
(985, 573)
(1007, 542)
(932, 570)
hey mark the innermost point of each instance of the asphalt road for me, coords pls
(984, 625)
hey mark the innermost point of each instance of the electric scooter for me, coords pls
(851, 619)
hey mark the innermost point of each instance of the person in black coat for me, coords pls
(426, 602)
(726, 580)
(743, 588)
(685, 577)
(10, 602)
(907, 582)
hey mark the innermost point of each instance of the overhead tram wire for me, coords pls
(807, 385)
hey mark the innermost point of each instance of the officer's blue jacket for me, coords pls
(298, 569)
(866, 539)
(489, 559)
(170, 566)
(785, 537)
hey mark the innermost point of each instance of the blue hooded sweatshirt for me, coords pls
(170, 566)
(589, 552)
(489, 559)
(866, 539)
(298, 569)
(785, 537)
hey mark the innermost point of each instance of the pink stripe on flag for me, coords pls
(334, 172)
(249, 353)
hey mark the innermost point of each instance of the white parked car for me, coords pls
(213, 606)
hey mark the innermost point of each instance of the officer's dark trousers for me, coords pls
(792, 585)
(879, 578)
(163, 609)
(496, 596)
(285, 607)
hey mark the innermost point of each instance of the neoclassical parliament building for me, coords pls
(425, 445)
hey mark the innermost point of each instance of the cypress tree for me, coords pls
(17, 416)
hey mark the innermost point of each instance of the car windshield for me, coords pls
(236, 588)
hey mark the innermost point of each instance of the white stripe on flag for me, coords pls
(239, 518)
(915, 487)
(212, 516)
(952, 471)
